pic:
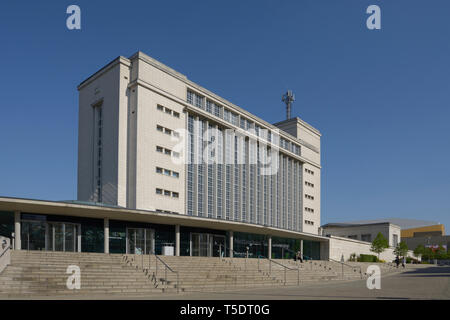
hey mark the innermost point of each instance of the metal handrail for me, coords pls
(282, 265)
(344, 264)
(167, 267)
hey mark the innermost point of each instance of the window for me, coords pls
(167, 151)
(176, 134)
(195, 99)
(160, 107)
(309, 210)
(167, 131)
(159, 128)
(366, 237)
(176, 114)
(175, 174)
(176, 154)
(158, 191)
(309, 184)
(167, 172)
(159, 170)
(167, 193)
(168, 111)
(307, 196)
(159, 149)
(354, 237)
(395, 240)
(175, 194)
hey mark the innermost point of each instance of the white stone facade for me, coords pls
(142, 103)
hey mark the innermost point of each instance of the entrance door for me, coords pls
(62, 236)
(140, 241)
(218, 245)
(207, 245)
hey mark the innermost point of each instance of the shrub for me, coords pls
(368, 258)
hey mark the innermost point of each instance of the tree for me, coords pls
(379, 244)
(401, 250)
(419, 251)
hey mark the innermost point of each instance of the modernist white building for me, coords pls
(130, 115)
(167, 167)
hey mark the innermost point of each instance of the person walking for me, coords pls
(404, 263)
(397, 261)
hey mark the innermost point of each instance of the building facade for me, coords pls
(366, 232)
(150, 139)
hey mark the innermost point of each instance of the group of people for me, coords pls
(397, 261)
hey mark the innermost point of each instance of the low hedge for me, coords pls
(368, 258)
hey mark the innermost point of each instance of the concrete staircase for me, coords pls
(39, 273)
(201, 274)
(44, 273)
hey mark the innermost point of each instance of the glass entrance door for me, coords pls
(218, 245)
(62, 236)
(207, 245)
(140, 241)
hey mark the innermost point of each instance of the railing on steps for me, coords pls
(5, 253)
(349, 266)
(158, 261)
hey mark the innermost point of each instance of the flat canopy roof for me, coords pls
(98, 211)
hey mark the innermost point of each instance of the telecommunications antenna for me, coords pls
(288, 98)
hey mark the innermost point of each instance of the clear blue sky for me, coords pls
(380, 98)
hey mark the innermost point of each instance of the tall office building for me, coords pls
(151, 139)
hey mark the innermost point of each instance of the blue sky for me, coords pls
(380, 98)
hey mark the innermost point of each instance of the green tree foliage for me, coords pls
(401, 250)
(379, 244)
(419, 250)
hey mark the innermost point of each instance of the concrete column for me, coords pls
(17, 234)
(177, 240)
(269, 248)
(230, 240)
(301, 248)
(106, 234)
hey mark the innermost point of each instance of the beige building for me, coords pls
(144, 129)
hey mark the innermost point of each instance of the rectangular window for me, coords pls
(176, 114)
(167, 131)
(167, 172)
(175, 174)
(366, 237)
(159, 149)
(167, 193)
(159, 170)
(167, 151)
(168, 111)
(175, 194)
(159, 128)
(160, 107)
(158, 191)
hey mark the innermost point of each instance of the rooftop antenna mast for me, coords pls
(288, 98)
